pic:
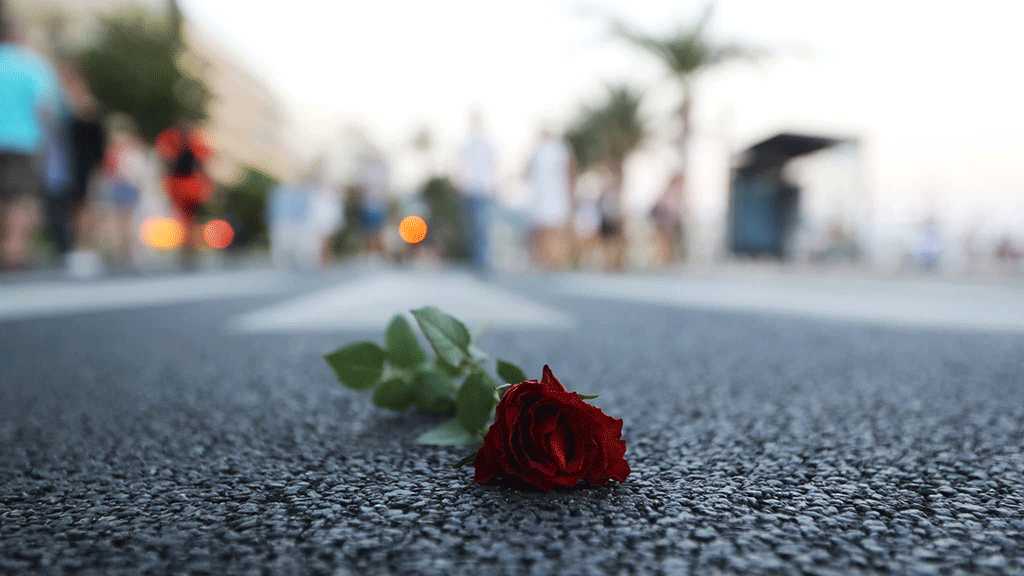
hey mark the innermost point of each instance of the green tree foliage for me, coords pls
(609, 132)
(685, 52)
(447, 220)
(134, 67)
(584, 136)
(244, 204)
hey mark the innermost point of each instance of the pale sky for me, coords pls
(932, 89)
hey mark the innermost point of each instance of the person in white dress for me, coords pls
(477, 180)
(550, 178)
(326, 219)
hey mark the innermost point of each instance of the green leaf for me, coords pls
(434, 392)
(588, 396)
(395, 394)
(474, 402)
(447, 335)
(403, 348)
(450, 433)
(452, 372)
(510, 373)
(358, 365)
(476, 354)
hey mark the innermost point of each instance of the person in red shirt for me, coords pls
(185, 152)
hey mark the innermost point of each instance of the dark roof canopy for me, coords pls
(783, 147)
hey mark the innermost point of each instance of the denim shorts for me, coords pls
(123, 194)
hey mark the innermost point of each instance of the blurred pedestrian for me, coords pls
(374, 185)
(57, 179)
(587, 219)
(928, 246)
(28, 99)
(185, 152)
(477, 178)
(1007, 252)
(551, 175)
(125, 170)
(327, 219)
(612, 229)
(87, 141)
(286, 216)
(667, 217)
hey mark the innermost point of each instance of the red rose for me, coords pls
(547, 437)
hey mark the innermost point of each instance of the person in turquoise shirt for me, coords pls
(28, 95)
(28, 89)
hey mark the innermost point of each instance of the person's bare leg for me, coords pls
(579, 247)
(608, 253)
(190, 246)
(83, 223)
(17, 227)
(375, 244)
(544, 248)
(563, 247)
(325, 252)
(553, 249)
(6, 236)
(591, 247)
(534, 239)
(619, 254)
(663, 248)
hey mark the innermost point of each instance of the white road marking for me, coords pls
(928, 303)
(368, 303)
(52, 298)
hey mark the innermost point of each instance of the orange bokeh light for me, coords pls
(412, 229)
(218, 234)
(162, 233)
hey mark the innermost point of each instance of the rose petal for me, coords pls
(619, 470)
(535, 454)
(557, 443)
(548, 379)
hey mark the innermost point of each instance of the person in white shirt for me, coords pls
(551, 183)
(326, 219)
(477, 180)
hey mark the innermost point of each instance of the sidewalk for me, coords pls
(958, 303)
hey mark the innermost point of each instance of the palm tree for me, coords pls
(685, 53)
(607, 134)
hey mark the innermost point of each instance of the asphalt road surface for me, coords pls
(177, 425)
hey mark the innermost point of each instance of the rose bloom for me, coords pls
(546, 437)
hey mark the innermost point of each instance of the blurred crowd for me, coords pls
(75, 174)
(569, 219)
(81, 187)
(88, 187)
(78, 175)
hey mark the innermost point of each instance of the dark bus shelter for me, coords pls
(763, 204)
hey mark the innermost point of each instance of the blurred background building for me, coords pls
(247, 123)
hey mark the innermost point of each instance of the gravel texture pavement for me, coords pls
(153, 441)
